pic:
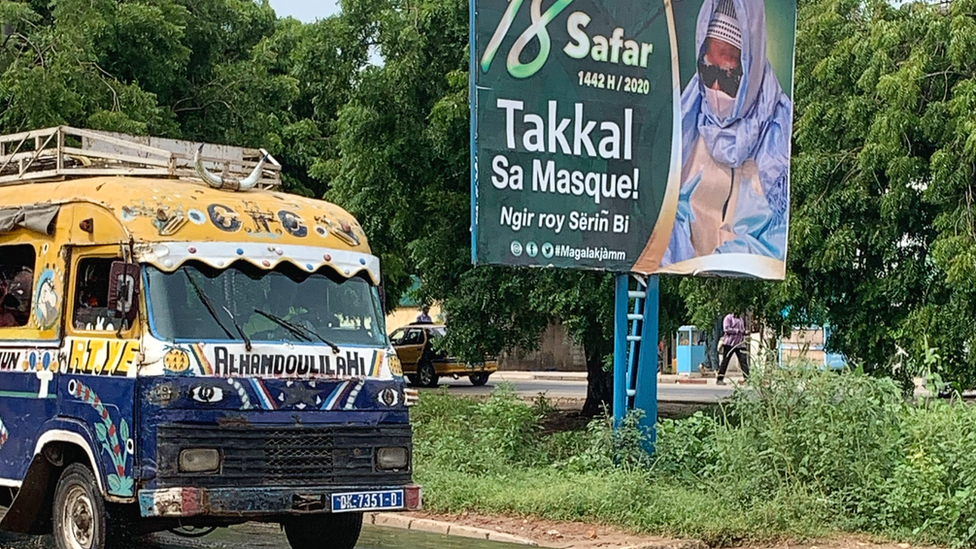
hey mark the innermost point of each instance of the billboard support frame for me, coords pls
(635, 352)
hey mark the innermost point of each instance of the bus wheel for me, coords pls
(79, 511)
(336, 531)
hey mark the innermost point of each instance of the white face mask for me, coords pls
(720, 102)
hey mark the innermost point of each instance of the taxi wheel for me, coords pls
(426, 374)
(336, 531)
(479, 379)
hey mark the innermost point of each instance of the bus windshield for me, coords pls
(242, 302)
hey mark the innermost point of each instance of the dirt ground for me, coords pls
(568, 535)
(578, 535)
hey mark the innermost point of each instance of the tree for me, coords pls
(882, 239)
(405, 172)
(876, 149)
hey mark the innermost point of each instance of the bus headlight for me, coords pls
(199, 460)
(392, 458)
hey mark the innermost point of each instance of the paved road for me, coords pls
(254, 536)
(562, 389)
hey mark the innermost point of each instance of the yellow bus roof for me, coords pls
(159, 210)
(174, 201)
(172, 221)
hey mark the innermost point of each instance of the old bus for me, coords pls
(184, 347)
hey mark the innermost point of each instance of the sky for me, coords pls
(305, 10)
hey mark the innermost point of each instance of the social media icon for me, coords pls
(516, 248)
(548, 250)
(532, 249)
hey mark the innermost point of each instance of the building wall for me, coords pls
(402, 316)
(556, 352)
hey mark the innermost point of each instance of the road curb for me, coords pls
(684, 544)
(404, 522)
(693, 379)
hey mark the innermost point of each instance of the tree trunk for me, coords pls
(712, 359)
(599, 383)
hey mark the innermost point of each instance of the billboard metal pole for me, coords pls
(645, 397)
(621, 302)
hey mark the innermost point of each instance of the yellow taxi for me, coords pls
(423, 364)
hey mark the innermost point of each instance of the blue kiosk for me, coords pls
(690, 350)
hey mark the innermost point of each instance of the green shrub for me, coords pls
(687, 448)
(931, 494)
(799, 453)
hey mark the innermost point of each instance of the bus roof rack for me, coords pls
(62, 152)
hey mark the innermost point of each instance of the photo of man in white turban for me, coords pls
(735, 138)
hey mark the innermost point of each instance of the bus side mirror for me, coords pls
(123, 290)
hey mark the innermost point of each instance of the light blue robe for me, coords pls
(758, 128)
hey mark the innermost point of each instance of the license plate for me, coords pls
(367, 501)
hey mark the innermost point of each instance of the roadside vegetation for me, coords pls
(802, 453)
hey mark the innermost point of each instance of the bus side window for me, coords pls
(16, 284)
(91, 310)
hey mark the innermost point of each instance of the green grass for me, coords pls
(804, 454)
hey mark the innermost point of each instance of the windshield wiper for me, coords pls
(247, 340)
(284, 324)
(296, 329)
(206, 302)
(213, 311)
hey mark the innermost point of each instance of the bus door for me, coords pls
(102, 346)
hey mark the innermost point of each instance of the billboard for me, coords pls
(648, 137)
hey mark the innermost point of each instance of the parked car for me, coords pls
(423, 364)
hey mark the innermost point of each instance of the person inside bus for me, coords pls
(15, 298)
(91, 302)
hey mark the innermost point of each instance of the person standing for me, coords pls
(424, 316)
(733, 342)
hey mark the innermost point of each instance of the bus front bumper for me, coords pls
(275, 501)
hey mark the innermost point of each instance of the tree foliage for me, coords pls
(405, 161)
(883, 236)
(882, 173)
(227, 71)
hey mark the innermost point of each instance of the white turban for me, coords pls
(724, 24)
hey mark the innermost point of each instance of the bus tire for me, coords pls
(333, 531)
(80, 517)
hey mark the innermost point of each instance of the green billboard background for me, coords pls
(546, 85)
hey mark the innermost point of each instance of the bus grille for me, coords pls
(289, 451)
(282, 455)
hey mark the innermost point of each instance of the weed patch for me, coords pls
(799, 453)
